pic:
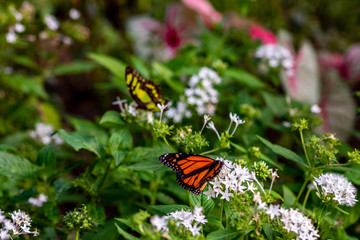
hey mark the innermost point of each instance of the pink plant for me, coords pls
(257, 32)
(351, 67)
(207, 12)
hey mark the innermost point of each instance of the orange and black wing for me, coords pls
(144, 91)
(192, 171)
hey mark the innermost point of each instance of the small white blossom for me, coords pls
(18, 27)
(273, 211)
(51, 22)
(132, 110)
(74, 14)
(232, 179)
(11, 36)
(211, 125)
(190, 220)
(19, 224)
(43, 133)
(336, 187)
(66, 40)
(275, 55)
(315, 109)
(38, 202)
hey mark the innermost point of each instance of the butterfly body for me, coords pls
(193, 171)
(144, 91)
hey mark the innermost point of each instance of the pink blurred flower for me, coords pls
(154, 40)
(207, 12)
(351, 67)
(257, 32)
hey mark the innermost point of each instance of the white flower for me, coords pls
(66, 40)
(74, 14)
(4, 234)
(275, 55)
(273, 211)
(336, 187)
(43, 133)
(294, 221)
(19, 224)
(132, 110)
(18, 27)
(160, 223)
(315, 109)
(231, 180)
(38, 202)
(11, 36)
(211, 125)
(51, 22)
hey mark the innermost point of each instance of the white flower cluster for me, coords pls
(201, 95)
(43, 133)
(190, 220)
(51, 22)
(336, 187)
(39, 201)
(19, 224)
(231, 180)
(275, 55)
(11, 36)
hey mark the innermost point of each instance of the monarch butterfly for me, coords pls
(193, 171)
(144, 91)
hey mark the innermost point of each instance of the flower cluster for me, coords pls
(19, 224)
(39, 201)
(43, 133)
(190, 220)
(275, 55)
(232, 179)
(200, 95)
(335, 187)
(18, 27)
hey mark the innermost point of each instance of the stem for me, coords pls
(77, 235)
(104, 176)
(168, 145)
(210, 151)
(334, 165)
(221, 210)
(303, 144)
(306, 198)
(188, 193)
(300, 193)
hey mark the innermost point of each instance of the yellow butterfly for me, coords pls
(144, 91)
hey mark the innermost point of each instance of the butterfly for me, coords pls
(144, 91)
(193, 171)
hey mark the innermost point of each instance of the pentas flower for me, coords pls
(51, 22)
(43, 133)
(19, 224)
(332, 186)
(39, 201)
(275, 56)
(232, 179)
(190, 220)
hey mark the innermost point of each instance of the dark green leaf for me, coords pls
(166, 74)
(245, 78)
(140, 66)
(149, 164)
(15, 166)
(222, 235)
(73, 68)
(268, 231)
(201, 200)
(286, 153)
(78, 142)
(111, 118)
(125, 234)
(46, 157)
(277, 104)
(289, 197)
(114, 65)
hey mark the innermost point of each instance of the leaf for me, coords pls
(166, 74)
(165, 209)
(148, 164)
(111, 118)
(87, 128)
(286, 153)
(268, 231)
(125, 234)
(277, 104)
(222, 234)
(46, 157)
(121, 140)
(201, 200)
(140, 66)
(289, 197)
(15, 167)
(78, 142)
(114, 65)
(245, 78)
(73, 68)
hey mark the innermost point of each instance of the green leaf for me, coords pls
(111, 118)
(289, 197)
(87, 128)
(222, 234)
(165, 209)
(286, 153)
(277, 104)
(15, 167)
(245, 78)
(46, 157)
(78, 142)
(140, 66)
(114, 65)
(125, 234)
(167, 75)
(121, 140)
(201, 200)
(268, 231)
(25, 61)
(149, 164)
(75, 67)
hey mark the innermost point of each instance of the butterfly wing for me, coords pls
(144, 91)
(192, 171)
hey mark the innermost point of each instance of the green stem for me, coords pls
(306, 198)
(210, 151)
(221, 210)
(300, 193)
(303, 144)
(334, 165)
(173, 150)
(77, 235)
(104, 176)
